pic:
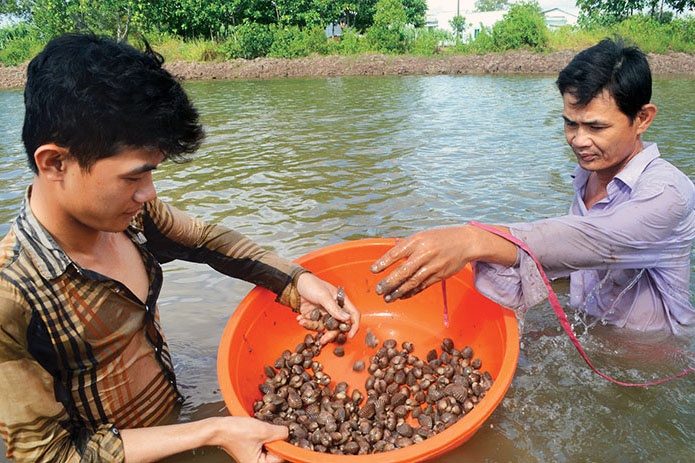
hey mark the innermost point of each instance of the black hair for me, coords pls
(96, 96)
(611, 65)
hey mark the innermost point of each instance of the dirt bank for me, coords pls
(376, 65)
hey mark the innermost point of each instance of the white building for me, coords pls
(557, 17)
(475, 22)
(441, 12)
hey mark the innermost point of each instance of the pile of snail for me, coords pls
(407, 399)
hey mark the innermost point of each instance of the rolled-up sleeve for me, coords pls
(519, 287)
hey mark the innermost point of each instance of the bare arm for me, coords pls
(435, 254)
(242, 438)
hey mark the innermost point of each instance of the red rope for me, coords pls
(446, 305)
(557, 307)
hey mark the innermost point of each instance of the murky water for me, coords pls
(300, 164)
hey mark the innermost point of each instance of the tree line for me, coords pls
(227, 29)
(198, 18)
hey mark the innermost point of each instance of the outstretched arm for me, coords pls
(432, 255)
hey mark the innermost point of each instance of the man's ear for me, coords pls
(51, 161)
(645, 117)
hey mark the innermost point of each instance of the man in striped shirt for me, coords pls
(86, 371)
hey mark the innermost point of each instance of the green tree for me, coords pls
(195, 18)
(207, 19)
(523, 26)
(387, 34)
(491, 5)
(415, 12)
(605, 12)
(458, 24)
(608, 12)
(19, 8)
(300, 13)
(249, 40)
(53, 17)
(361, 13)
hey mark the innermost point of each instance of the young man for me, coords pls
(626, 241)
(86, 371)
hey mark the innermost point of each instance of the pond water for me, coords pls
(300, 164)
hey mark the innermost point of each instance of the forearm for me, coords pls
(143, 445)
(481, 245)
(432, 255)
(652, 228)
(242, 438)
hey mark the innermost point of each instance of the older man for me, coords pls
(626, 241)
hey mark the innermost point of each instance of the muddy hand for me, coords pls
(421, 260)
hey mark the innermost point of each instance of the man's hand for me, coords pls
(432, 255)
(423, 259)
(317, 293)
(243, 438)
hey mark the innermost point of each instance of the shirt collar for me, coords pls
(44, 251)
(630, 172)
(39, 245)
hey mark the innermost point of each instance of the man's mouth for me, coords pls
(586, 157)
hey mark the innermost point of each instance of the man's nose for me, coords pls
(581, 137)
(146, 192)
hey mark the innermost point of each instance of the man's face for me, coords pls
(601, 136)
(107, 196)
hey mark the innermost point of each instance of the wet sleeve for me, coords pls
(519, 287)
(655, 228)
(647, 231)
(33, 423)
(172, 234)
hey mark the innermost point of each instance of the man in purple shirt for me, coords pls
(626, 241)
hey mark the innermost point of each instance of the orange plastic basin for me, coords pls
(260, 329)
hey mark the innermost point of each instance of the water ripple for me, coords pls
(298, 164)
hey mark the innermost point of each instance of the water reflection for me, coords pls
(299, 164)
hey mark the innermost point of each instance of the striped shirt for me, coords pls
(80, 355)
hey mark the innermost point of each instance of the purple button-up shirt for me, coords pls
(628, 257)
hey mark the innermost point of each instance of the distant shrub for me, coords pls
(657, 36)
(388, 33)
(483, 42)
(288, 42)
(427, 42)
(19, 43)
(350, 43)
(315, 40)
(522, 27)
(248, 41)
(651, 34)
